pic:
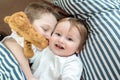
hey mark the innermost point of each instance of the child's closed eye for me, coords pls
(45, 29)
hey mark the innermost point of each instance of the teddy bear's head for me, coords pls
(17, 21)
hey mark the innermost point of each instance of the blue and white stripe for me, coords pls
(9, 68)
(101, 54)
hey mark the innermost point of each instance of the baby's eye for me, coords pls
(70, 39)
(58, 34)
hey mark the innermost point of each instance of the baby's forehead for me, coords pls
(66, 23)
(65, 26)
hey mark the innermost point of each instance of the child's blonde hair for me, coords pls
(80, 25)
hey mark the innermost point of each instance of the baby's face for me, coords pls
(45, 24)
(65, 40)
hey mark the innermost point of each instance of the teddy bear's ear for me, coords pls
(6, 19)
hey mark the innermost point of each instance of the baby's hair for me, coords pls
(80, 25)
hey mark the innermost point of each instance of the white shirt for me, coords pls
(48, 66)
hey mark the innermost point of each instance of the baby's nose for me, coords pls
(61, 40)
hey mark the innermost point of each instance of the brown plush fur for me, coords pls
(19, 22)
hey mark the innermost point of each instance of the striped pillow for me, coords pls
(101, 54)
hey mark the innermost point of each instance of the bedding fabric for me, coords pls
(9, 68)
(101, 54)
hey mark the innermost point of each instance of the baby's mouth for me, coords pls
(58, 46)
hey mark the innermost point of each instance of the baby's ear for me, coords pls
(77, 51)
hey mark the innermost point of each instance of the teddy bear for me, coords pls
(20, 23)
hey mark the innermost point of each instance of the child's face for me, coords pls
(45, 24)
(65, 40)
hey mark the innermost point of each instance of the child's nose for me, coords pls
(47, 37)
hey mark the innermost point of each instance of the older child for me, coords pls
(60, 60)
(43, 17)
